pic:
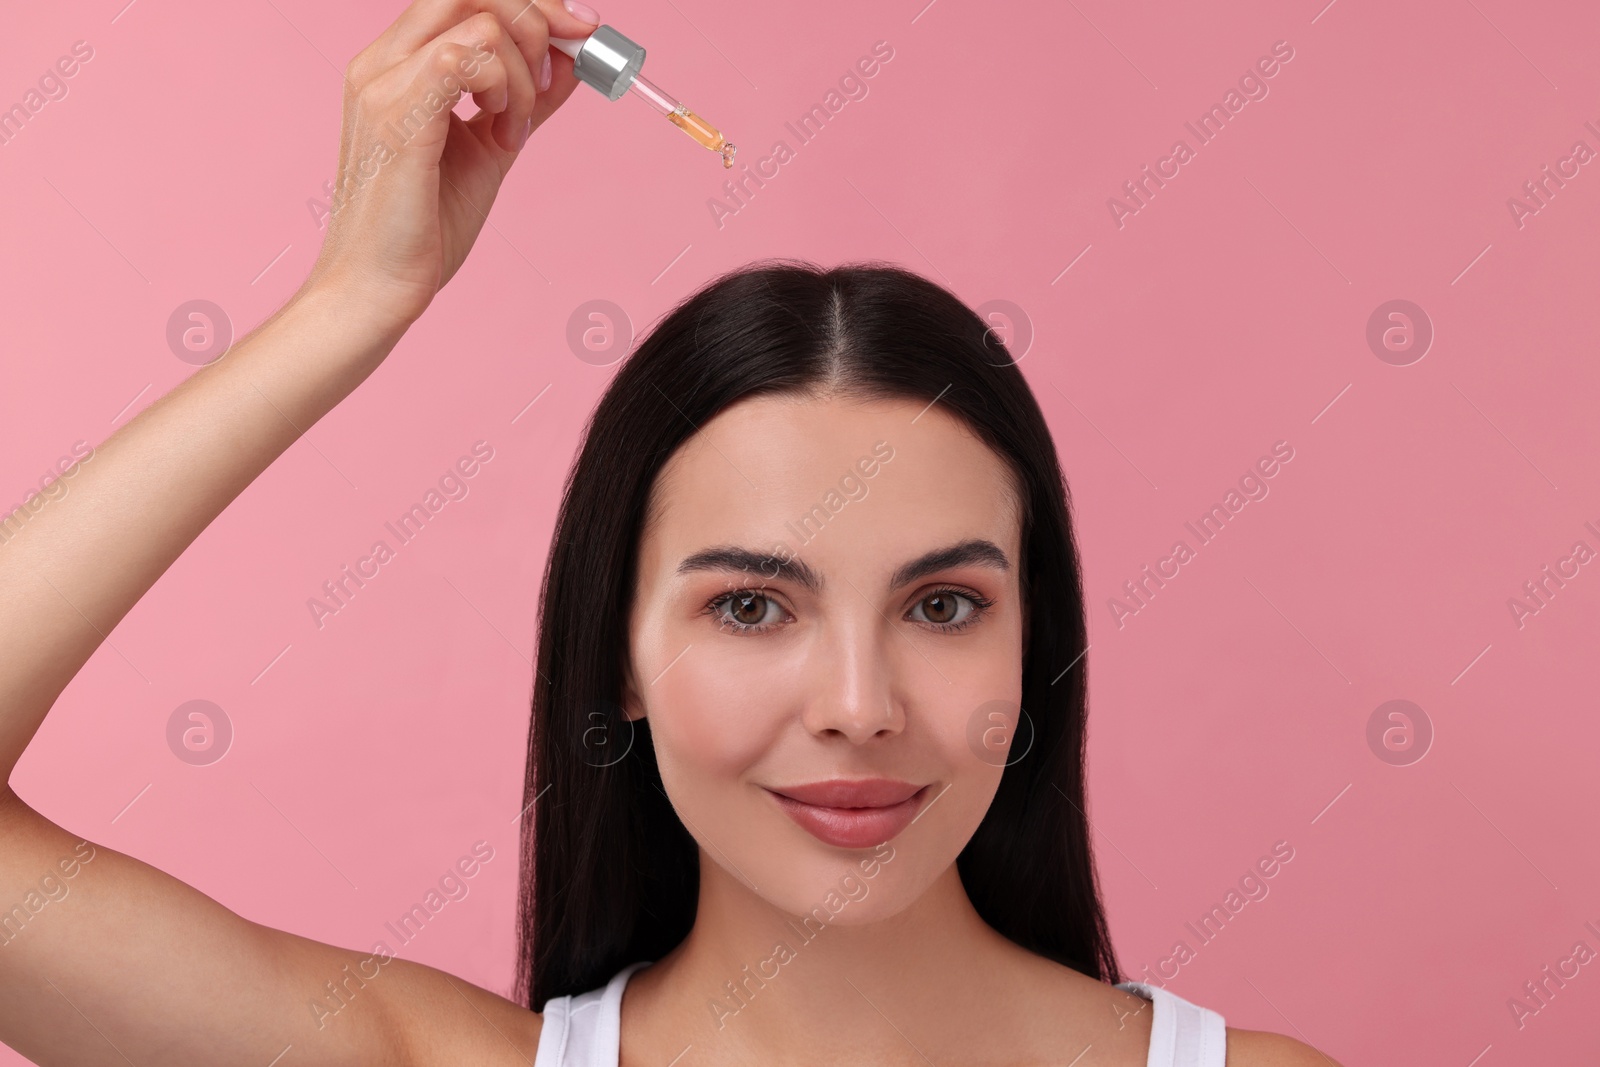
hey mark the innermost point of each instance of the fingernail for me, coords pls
(579, 10)
(543, 81)
(527, 128)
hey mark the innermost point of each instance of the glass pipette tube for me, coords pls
(687, 121)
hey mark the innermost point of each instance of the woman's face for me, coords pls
(792, 623)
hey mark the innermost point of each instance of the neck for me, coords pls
(751, 979)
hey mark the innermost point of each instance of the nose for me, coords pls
(853, 680)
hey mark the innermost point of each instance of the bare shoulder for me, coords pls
(1259, 1048)
(1073, 1008)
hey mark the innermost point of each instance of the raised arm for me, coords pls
(127, 963)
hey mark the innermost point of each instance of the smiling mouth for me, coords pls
(852, 827)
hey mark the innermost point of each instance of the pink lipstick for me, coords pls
(856, 813)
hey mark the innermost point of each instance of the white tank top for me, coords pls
(585, 1030)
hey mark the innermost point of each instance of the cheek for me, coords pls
(978, 708)
(976, 742)
(709, 719)
(979, 726)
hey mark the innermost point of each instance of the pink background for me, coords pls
(1229, 313)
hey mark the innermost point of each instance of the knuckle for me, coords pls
(449, 57)
(355, 70)
(368, 94)
(488, 29)
(531, 17)
(478, 61)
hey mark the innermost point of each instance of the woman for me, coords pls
(813, 562)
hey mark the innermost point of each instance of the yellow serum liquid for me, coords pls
(703, 132)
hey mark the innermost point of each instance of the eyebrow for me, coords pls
(977, 551)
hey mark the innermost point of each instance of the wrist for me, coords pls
(314, 350)
(352, 321)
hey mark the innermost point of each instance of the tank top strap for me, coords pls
(585, 1029)
(1181, 1034)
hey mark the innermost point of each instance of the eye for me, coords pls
(748, 611)
(943, 608)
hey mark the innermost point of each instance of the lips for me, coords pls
(852, 814)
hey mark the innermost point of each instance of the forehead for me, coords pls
(884, 478)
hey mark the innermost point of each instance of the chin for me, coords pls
(850, 887)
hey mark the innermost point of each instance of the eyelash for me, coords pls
(980, 608)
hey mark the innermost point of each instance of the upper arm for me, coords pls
(1258, 1048)
(105, 959)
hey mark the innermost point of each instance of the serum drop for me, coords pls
(611, 62)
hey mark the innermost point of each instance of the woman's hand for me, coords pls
(416, 181)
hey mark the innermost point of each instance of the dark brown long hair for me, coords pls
(609, 874)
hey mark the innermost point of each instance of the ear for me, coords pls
(632, 706)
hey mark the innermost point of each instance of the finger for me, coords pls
(376, 79)
(562, 83)
(510, 104)
(413, 101)
(531, 24)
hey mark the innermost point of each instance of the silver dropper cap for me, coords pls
(608, 61)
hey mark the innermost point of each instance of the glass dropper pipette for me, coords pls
(611, 62)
